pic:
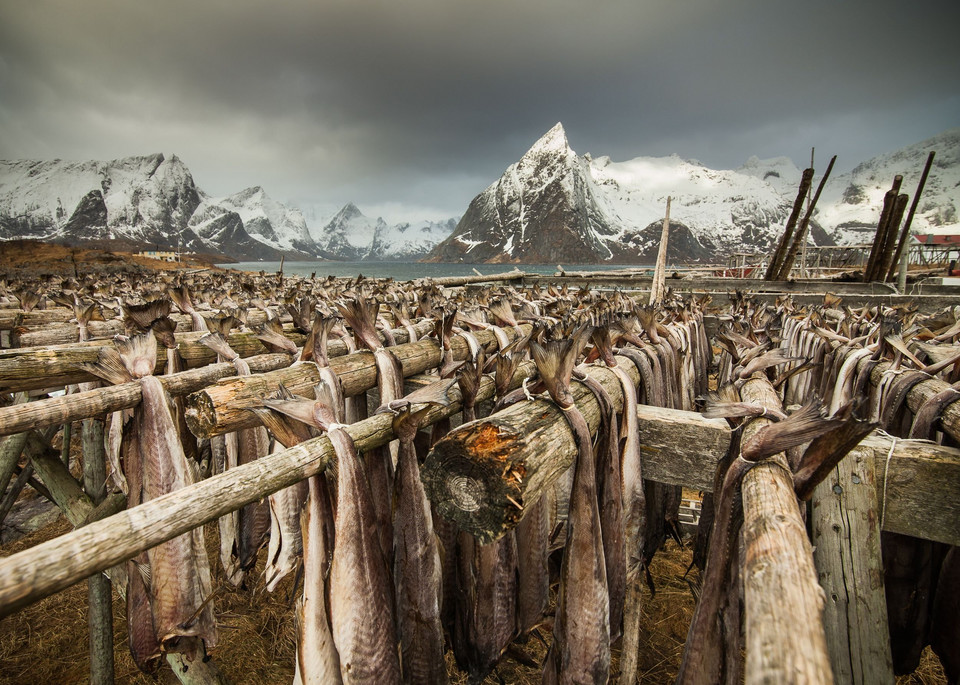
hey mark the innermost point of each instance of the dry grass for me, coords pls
(47, 642)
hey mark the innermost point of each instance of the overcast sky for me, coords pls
(411, 107)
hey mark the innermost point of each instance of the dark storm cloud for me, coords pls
(424, 103)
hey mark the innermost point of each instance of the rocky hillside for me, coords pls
(556, 206)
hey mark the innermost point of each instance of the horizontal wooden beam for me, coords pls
(33, 368)
(222, 407)
(51, 566)
(100, 401)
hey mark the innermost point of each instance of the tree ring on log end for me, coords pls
(466, 493)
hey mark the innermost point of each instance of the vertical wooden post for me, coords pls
(846, 538)
(905, 232)
(659, 272)
(783, 602)
(99, 587)
(801, 236)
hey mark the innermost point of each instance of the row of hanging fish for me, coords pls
(387, 585)
(821, 361)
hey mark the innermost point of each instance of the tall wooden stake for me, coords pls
(801, 235)
(905, 231)
(99, 590)
(659, 272)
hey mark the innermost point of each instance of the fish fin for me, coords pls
(109, 366)
(218, 343)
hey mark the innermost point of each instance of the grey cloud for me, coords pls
(425, 102)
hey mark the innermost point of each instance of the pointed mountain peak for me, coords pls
(553, 141)
(349, 211)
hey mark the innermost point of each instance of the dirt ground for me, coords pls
(33, 257)
(47, 642)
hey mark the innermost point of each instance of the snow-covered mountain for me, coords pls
(350, 235)
(143, 201)
(555, 206)
(852, 202)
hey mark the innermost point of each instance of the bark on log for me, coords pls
(99, 587)
(51, 566)
(45, 334)
(845, 517)
(486, 474)
(101, 401)
(32, 368)
(12, 318)
(776, 262)
(222, 407)
(783, 603)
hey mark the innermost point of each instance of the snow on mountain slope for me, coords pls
(264, 219)
(407, 241)
(349, 234)
(148, 199)
(851, 203)
(553, 205)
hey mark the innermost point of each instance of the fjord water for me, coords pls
(408, 271)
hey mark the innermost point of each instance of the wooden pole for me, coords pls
(222, 407)
(101, 401)
(51, 566)
(845, 518)
(34, 368)
(885, 262)
(905, 231)
(659, 272)
(99, 587)
(923, 482)
(801, 235)
(783, 603)
(883, 226)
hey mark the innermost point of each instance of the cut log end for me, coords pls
(475, 478)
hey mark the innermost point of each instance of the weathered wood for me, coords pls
(12, 318)
(63, 487)
(918, 487)
(101, 401)
(486, 474)
(222, 407)
(905, 231)
(783, 603)
(659, 271)
(801, 236)
(773, 270)
(46, 334)
(845, 518)
(99, 587)
(51, 566)
(31, 368)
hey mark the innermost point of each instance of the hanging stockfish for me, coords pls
(360, 314)
(485, 601)
(417, 569)
(609, 482)
(580, 651)
(706, 659)
(317, 659)
(243, 532)
(285, 545)
(172, 580)
(181, 298)
(361, 593)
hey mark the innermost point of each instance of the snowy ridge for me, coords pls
(350, 235)
(553, 205)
